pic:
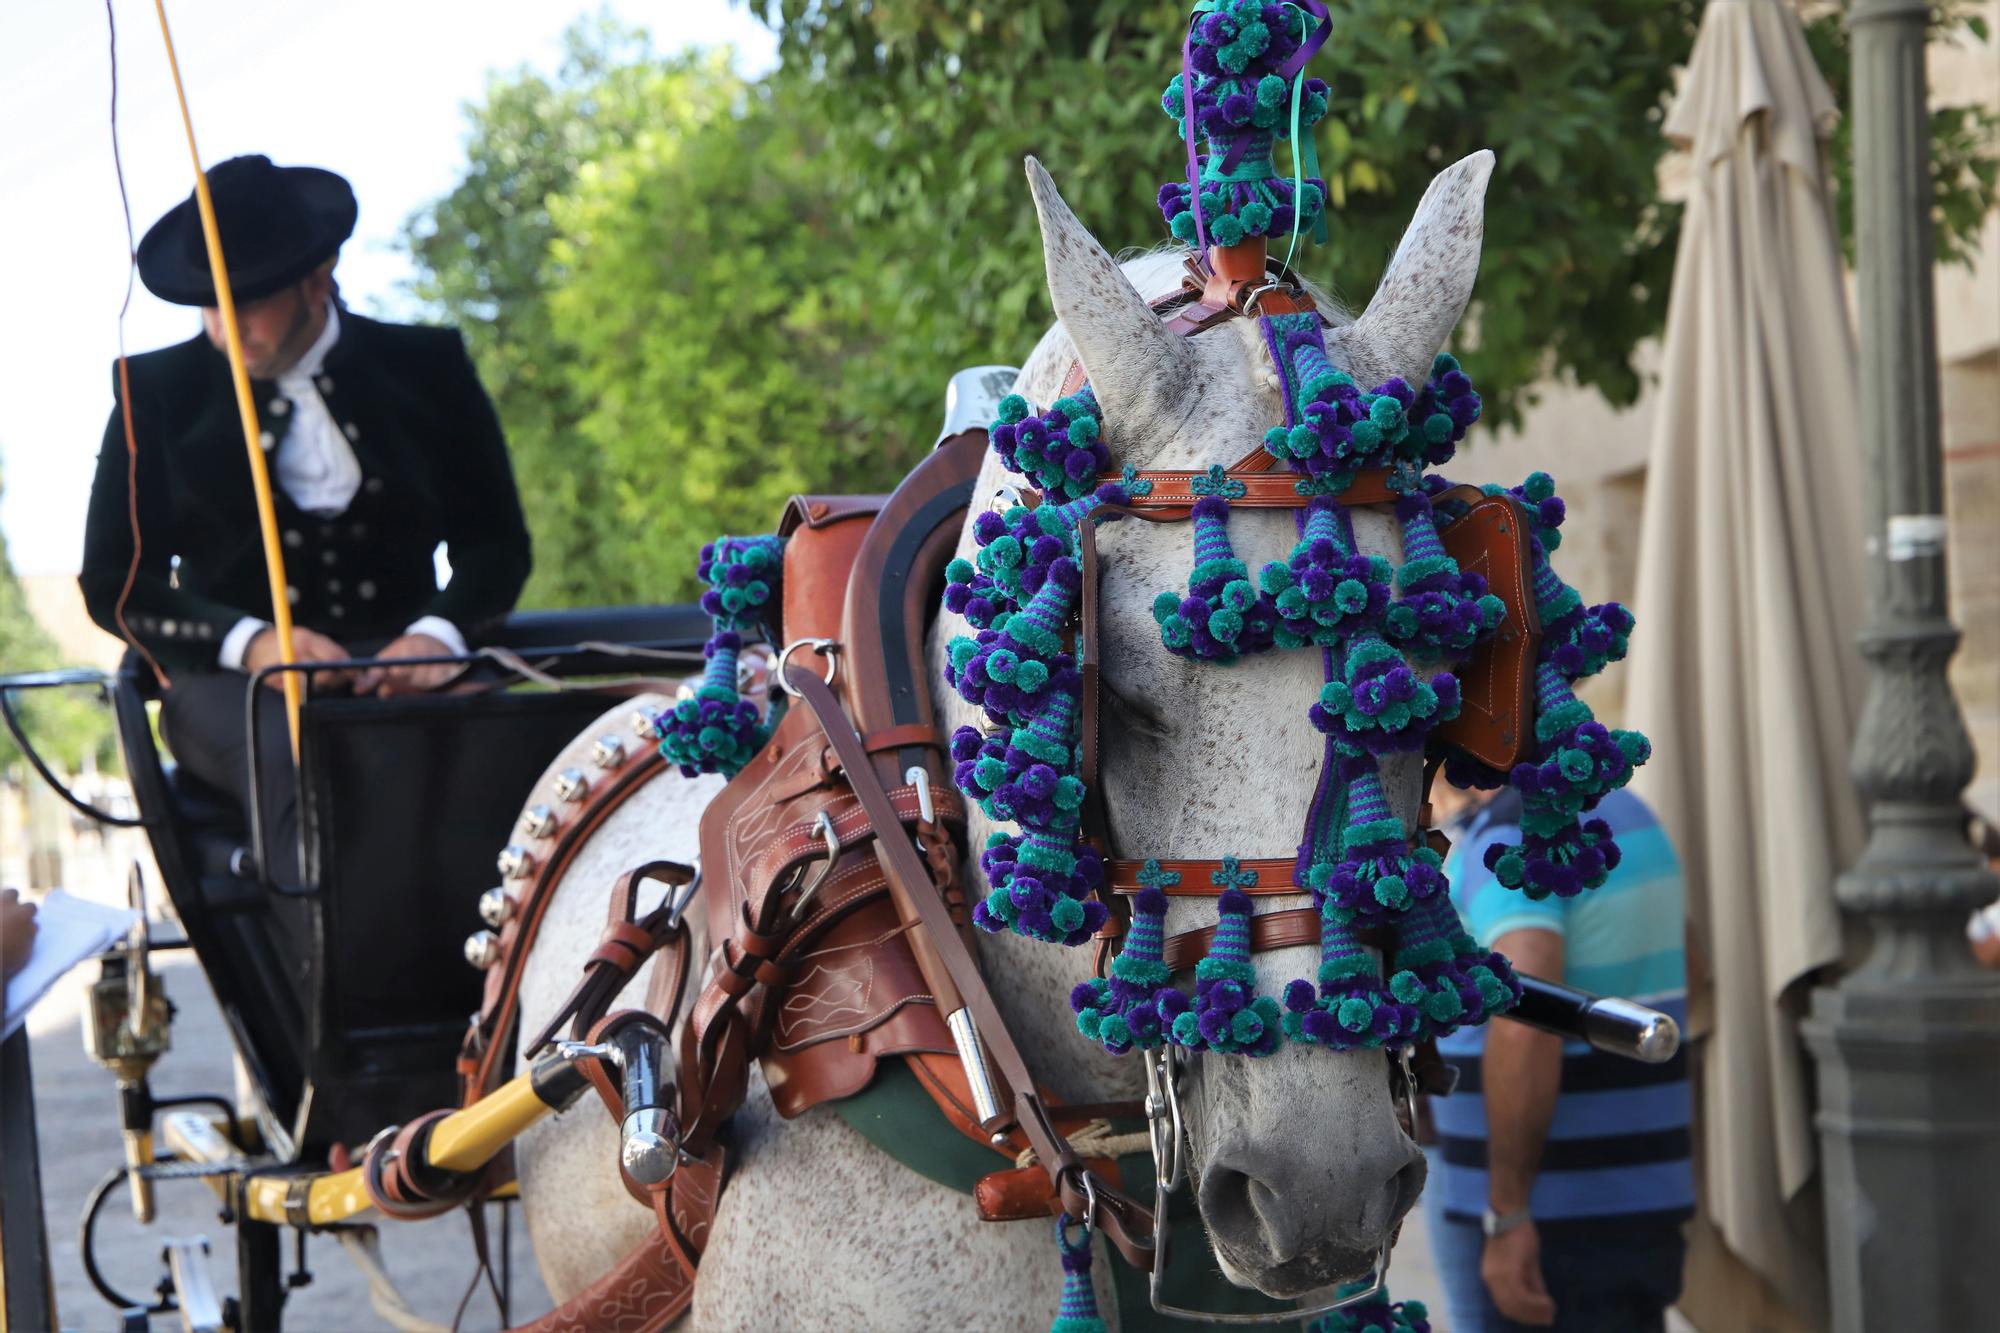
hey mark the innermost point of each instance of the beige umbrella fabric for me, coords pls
(1744, 670)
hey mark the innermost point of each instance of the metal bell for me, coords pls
(496, 905)
(538, 821)
(608, 751)
(571, 785)
(516, 861)
(482, 949)
(641, 723)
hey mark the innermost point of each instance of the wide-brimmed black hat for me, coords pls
(277, 224)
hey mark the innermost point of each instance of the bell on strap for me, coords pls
(1461, 983)
(1222, 617)
(1378, 876)
(1352, 1008)
(1226, 1015)
(713, 729)
(1121, 1011)
(1078, 1311)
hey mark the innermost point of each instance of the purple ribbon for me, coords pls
(1187, 131)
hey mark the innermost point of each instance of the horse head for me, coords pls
(1301, 1169)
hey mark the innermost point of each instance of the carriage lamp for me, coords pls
(127, 1027)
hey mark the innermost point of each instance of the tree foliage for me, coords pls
(692, 293)
(63, 726)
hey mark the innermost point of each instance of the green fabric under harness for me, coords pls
(896, 1115)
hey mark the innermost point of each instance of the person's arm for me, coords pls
(199, 626)
(1521, 1074)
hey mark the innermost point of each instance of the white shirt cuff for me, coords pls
(237, 642)
(442, 630)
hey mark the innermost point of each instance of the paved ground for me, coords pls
(76, 1112)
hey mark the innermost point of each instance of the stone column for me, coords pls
(1907, 1044)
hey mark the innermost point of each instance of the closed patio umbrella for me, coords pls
(1748, 679)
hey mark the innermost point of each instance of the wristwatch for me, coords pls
(1499, 1224)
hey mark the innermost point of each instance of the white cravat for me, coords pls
(316, 467)
(314, 463)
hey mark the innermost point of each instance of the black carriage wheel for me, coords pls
(86, 1239)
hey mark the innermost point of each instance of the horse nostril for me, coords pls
(1408, 1185)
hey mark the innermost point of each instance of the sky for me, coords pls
(374, 89)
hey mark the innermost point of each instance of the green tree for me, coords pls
(691, 293)
(63, 726)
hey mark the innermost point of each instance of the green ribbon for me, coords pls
(1305, 160)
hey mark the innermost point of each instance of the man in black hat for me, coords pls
(381, 444)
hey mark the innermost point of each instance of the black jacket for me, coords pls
(434, 469)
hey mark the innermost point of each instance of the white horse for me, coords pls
(1301, 1171)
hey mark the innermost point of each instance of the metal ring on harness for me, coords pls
(827, 648)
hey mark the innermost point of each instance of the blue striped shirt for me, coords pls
(1618, 1147)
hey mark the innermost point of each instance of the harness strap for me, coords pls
(1268, 931)
(1191, 878)
(1126, 1223)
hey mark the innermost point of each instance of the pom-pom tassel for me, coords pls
(713, 729)
(1459, 983)
(1374, 1316)
(1042, 882)
(1078, 1311)
(1443, 612)
(1121, 1011)
(1378, 875)
(1222, 616)
(1351, 1008)
(1060, 451)
(1577, 758)
(1324, 591)
(1226, 1015)
(1028, 776)
(1378, 704)
(1578, 856)
(1007, 670)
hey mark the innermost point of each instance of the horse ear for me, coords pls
(1139, 371)
(1427, 284)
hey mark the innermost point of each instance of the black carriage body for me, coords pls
(347, 996)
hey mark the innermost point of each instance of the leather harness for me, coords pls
(838, 922)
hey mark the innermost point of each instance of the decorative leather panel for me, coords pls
(1496, 723)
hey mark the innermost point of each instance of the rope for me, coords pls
(1095, 1139)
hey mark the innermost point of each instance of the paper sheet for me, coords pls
(69, 930)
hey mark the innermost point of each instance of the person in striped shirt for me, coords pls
(1562, 1176)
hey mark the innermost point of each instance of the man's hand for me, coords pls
(17, 932)
(409, 679)
(1511, 1268)
(307, 646)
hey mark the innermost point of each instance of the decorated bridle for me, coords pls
(1389, 640)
